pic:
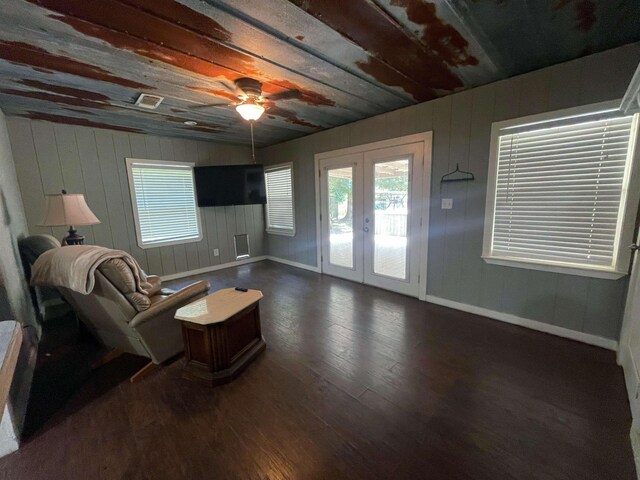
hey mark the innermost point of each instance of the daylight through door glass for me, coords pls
(391, 202)
(340, 195)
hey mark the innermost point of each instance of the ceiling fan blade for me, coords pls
(207, 105)
(286, 95)
(231, 87)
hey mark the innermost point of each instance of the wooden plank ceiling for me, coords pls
(85, 62)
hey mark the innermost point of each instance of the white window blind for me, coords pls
(163, 198)
(279, 211)
(560, 192)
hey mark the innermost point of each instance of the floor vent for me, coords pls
(241, 243)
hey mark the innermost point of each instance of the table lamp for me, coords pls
(68, 209)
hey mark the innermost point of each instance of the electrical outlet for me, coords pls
(216, 252)
(447, 203)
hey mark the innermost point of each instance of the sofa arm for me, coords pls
(173, 302)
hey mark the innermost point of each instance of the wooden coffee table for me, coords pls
(221, 335)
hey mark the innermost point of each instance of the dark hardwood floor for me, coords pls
(356, 383)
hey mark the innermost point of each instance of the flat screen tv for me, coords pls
(219, 186)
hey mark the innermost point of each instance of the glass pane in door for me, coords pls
(391, 201)
(340, 196)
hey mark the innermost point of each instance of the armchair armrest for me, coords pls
(172, 302)
(156, 284)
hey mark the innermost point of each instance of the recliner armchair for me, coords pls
(56, 317)
(129, 321)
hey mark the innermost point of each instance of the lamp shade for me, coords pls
(67, 209)
(250, 110)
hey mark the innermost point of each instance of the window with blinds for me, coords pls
(560, 191)
(279, 209)
(164, 204)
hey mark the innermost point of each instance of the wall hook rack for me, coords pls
(449, 177)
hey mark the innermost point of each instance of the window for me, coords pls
(164, 204)
(280, 213)
(558, 194)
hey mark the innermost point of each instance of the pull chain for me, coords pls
(253, 153)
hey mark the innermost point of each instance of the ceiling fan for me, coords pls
(251, 104)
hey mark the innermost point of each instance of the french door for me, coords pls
(370, 206)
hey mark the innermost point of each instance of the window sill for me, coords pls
(284, 233)
(607, 274)
(146, 246)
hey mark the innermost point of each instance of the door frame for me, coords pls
(426, 138)
(625, 357)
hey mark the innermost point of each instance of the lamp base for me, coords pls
(73, 238)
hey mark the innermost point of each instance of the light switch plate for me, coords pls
(216, 252)
(447, 203)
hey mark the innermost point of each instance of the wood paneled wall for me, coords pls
(461, 126)
(15, 300)
(49, 157)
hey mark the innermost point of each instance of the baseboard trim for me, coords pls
(528, 323)
(222, 266)
(212, 268)
(303, 266)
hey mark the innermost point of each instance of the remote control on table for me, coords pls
(240, 289)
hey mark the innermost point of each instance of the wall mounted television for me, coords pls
(224, 185)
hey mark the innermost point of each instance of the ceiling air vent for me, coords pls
(149, 101)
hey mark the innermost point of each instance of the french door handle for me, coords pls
(634, 246)
(366, 229)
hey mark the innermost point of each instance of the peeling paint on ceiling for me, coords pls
(330, 62)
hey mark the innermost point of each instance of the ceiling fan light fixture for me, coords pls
(250, 110)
